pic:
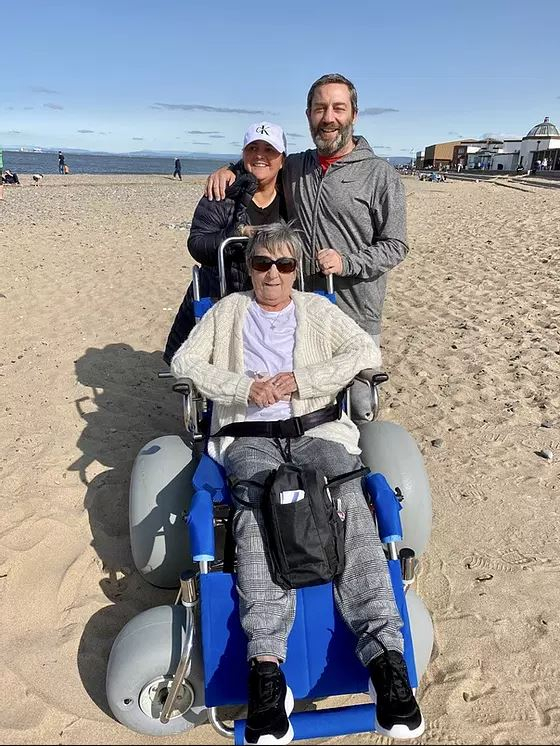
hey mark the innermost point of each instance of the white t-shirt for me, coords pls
(268, 348)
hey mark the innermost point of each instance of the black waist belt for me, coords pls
(291, 428)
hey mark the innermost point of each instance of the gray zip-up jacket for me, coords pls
(357, 208)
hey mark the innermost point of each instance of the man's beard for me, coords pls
(330, 147)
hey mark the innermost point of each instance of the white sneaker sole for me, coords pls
(288, 737)
(397, 731)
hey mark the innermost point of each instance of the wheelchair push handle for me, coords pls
(222, 260)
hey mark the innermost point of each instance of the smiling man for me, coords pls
(349, 203)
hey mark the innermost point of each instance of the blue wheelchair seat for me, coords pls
(321, 660)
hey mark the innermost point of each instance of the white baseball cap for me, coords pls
(273, 134)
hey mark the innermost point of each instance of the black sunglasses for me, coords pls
(284, 264)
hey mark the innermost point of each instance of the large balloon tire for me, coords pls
(388, 449)
(160, 492)
(421, 630)
(146, 652)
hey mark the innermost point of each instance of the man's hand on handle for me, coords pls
(330, 262)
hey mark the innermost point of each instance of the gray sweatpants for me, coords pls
(363, 592)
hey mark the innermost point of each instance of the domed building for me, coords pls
(538, 150)
(544, 129)
(541, 147)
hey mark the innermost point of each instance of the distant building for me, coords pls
(440, 155)
(481, 153)
(466, 153)
(508, 158)
(461, 153)
(541, 143)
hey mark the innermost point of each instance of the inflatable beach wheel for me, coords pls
(421, 630)
(141, 665)
(160, 491)
(388, 449)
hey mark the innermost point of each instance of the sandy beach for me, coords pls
(93, 270)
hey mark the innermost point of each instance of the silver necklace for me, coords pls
(275, 320)
(272, 319)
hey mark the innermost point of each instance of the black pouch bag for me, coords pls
(304, 528)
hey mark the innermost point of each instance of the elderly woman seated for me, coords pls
(272, 354)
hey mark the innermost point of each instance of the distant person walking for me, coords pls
(60, 162)
(177, 171)
(1, 174)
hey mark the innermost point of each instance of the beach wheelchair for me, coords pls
(173, 667)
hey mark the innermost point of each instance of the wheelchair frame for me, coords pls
(402, 566)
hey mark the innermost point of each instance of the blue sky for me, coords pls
(125, 75)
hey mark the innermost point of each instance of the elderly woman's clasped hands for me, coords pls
(265, 392)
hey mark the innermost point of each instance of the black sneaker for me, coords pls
(397, 714)
(270, 704)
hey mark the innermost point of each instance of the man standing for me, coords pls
(60, 162)
(177, 171)
(349, 203)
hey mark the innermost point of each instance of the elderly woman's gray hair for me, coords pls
(273, 238)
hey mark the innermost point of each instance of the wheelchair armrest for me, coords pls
(372, 376)
(364, 400)
(184, 386)
(200, 521)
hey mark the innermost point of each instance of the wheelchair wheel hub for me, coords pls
(153, 695)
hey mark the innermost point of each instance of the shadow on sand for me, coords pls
(128, 406)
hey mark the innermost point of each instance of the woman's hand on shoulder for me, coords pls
(217, 183)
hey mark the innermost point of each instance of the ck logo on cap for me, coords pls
(262, 130)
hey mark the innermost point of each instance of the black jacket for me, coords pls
(212, 223)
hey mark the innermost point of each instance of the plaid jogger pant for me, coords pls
(363, 592)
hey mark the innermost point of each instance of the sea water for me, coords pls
(47, 163)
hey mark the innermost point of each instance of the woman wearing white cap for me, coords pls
(254, 199)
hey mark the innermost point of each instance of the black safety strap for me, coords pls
(347, 477)
(294, 427)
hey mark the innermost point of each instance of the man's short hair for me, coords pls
(274, 237)
(334, 78)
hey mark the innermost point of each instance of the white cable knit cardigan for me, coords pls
(330, 349)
